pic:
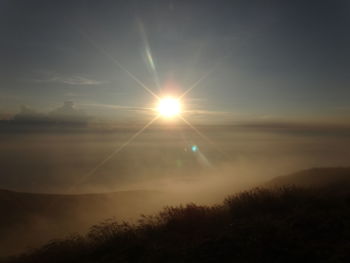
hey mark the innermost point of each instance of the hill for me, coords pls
(337, 177)
(37, 218)
(284, 224)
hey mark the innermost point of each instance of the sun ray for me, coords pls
(161, 111)
(119, 107)
(116, 62)
(121, 147)
(195, 84)
(136, 79)
(205, 75)
(202, 135)
(196, 130)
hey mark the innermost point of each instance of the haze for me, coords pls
(118, 108)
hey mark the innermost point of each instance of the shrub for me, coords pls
(282, 225)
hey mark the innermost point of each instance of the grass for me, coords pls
(282, 225)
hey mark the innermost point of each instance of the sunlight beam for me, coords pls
(121, 147)
(196, 130)
(116, 62)
(196, 83)
(202, 135)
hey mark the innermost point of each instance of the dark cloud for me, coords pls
(28, 114)
(68, 113)
(65, 115)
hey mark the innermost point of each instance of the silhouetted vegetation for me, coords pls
(283, 225)
(32, 219)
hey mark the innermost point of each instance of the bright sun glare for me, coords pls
(169, 107)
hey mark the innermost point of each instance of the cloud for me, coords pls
(66, 114)
(120, 107)
(47, 76)
(208, 112)
(28, 114)
(205, 116)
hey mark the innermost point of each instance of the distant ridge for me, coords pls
(315, 178)
(56, 215)
(282, 224)
(36, 218)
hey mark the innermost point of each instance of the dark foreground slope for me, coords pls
(331, 177)
(31, 220)
(284, 225)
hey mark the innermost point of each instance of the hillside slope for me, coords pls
(37, 218)
(285, 225)
(337, 177)
(32, 219)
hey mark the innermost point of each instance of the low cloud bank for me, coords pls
(67, 114)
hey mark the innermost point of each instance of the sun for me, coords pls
(169, 107)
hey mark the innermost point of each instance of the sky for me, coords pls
(285, 60)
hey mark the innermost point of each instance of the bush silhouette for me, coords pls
(288, 224)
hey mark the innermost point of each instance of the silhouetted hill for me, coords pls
(281, 225)
(37, 218)
(285, 224)
(338, 177)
